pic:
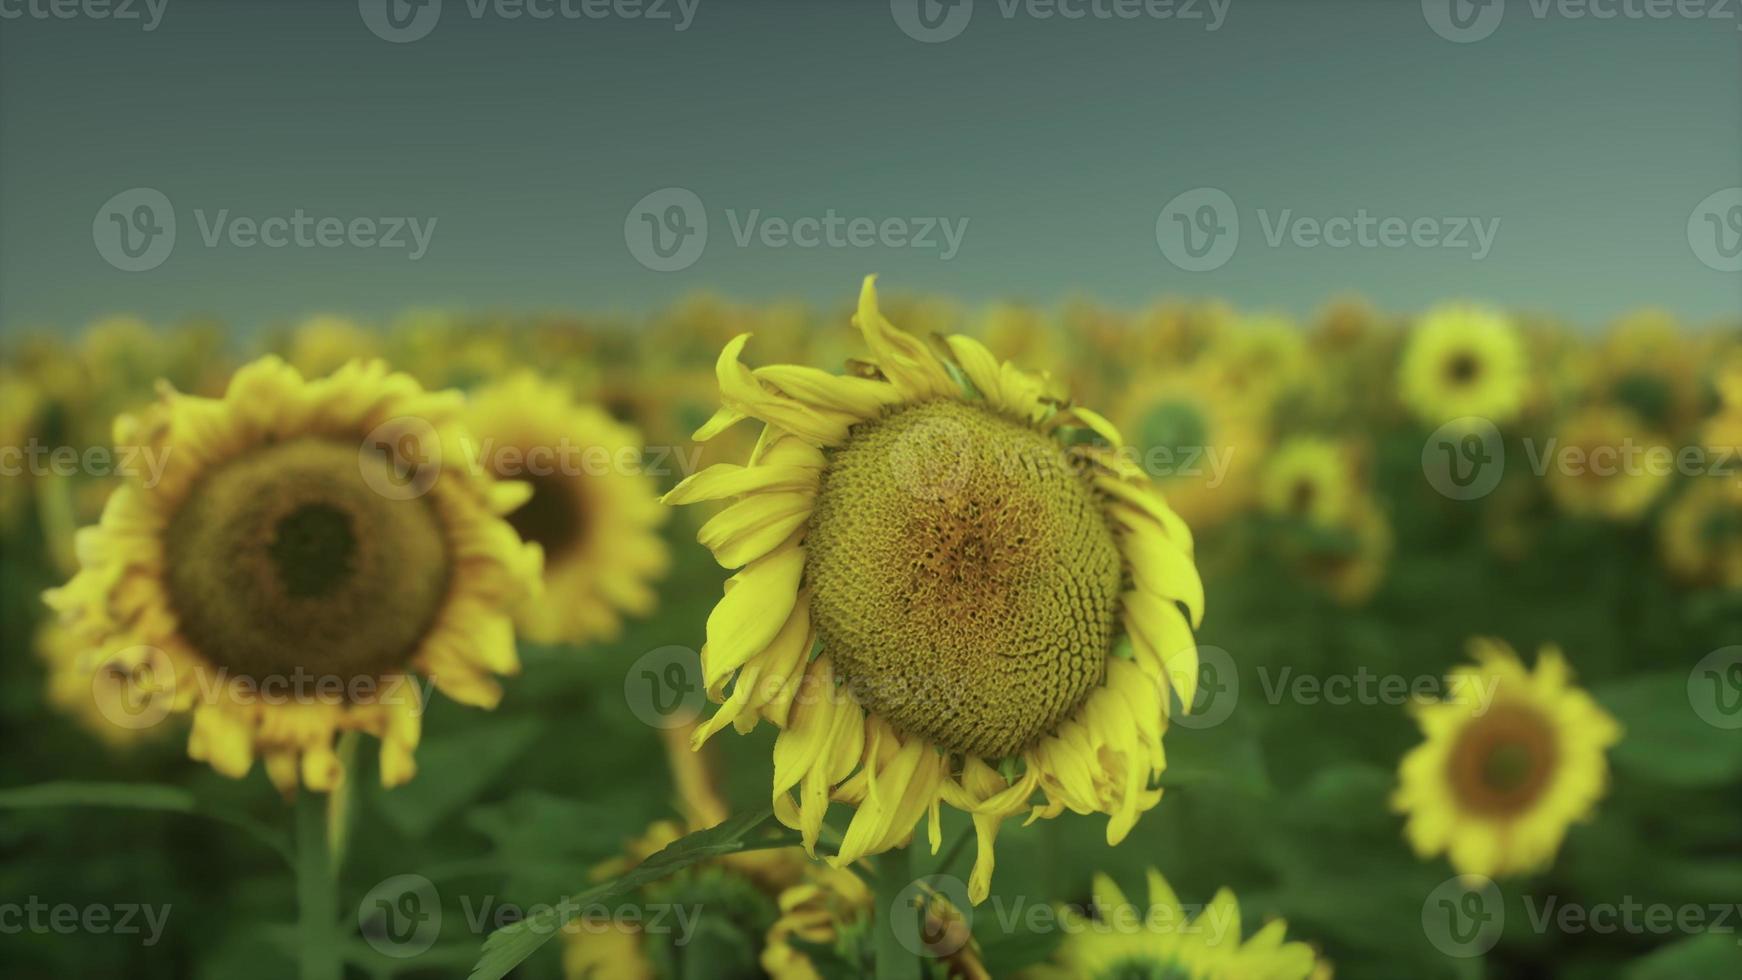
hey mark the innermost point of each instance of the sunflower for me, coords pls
(20, 402)
(1261, 360)
(1352, 566)
(1310, 479)
(1464, 361)
(1606, 464)
(1202, 444)
(967, 574)
(309, 547)
(1647, 363)
(1160, 939)
(593, 510)
(1512, 758)
(1701, 535)
(322, 344)
(77, 687)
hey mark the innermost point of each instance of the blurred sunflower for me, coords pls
(594, 510)
(967, 574)
(1352, 567)
(1310, 479)
(20, 401)
(1161, 940)
(1512, 758)
(1606, 464)
(77, 686)
(1464, 361)
(1261, 360)
(322, 344)
(1647, 363)
(285, 579)
(1700, 537)
(1203, 446)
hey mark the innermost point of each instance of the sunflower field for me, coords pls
(903, 638)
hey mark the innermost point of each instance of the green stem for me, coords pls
(895, 961)
(317, 891)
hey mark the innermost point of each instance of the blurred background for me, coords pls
(1223, 224)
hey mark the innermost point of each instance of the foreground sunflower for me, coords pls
(593, 509)
(1512, 758)
(1161, 940)
(967, 575)
(1464, 361)
(310, 547)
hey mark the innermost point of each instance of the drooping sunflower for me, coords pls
(1464, 361)
(1512, 758)
(1607, 464)
(594, 511)
(1701, 535)
(1160, 939)
(309, 549)
(1202, 446)
(966, 573)
(1310, 479)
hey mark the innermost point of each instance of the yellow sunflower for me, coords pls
(594, 511)
(1464, 361)
(1261, 360)
(1701, 535)
(1647, 362)
(1202, 445)
(1512, 758)
(322, 344)
(309, 548)
(1311, 479)
(1606, 464)
(966, 574)
(1161, 939)
(19, 403)
(78, 687)
(1352, 571)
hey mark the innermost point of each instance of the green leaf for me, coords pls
(456, 769)
(139, 796)
(1711, 956)
(506, 948)
(1665, 740)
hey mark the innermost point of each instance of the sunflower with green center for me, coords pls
(1608, 465)
(1464, 361)
(1646, 363)
(1513, 757)
(593, 509)
(310, 548)
(1162, 941)
(1203, 445)
(1309, 479)
(967, 573)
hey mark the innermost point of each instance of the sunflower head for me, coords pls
(1608, 465)
(1311, 480)
(1464, 361)
(1701, 535)
(1160, 939)
(1201, 442)
(1512, 758)
(965, 547)
(307, 549)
